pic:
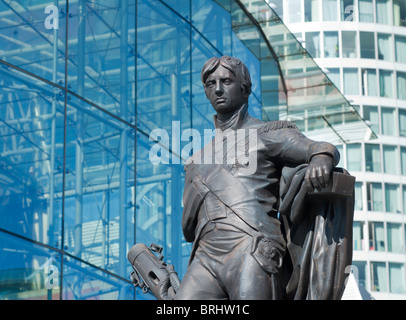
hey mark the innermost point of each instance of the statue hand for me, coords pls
(317, 175)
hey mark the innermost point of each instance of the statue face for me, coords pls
(224, 91)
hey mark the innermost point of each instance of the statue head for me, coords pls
(226, 82)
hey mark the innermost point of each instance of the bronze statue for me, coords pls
(267, 222)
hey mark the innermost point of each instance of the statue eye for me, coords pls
(227, 81)
(210, 84)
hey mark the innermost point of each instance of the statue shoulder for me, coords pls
(268, 126)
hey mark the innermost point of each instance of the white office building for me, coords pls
(361, 45)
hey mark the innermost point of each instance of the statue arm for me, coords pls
(287, 145)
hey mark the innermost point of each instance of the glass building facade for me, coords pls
(101, 103)
(364, 53)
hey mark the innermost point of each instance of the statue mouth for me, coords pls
(221, 100)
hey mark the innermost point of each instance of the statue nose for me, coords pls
(219, 90)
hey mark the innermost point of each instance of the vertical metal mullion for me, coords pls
(64, 150)
(123, 137)
(135, 122)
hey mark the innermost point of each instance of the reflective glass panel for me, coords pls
(372, 157)
(383, 11)
(375, 197)
(386, 87)
(376, 236)
(403, 163)
(367, 44)
(31, 151)
(348, 10)
(312, 10)
(399, 12)
(349, 44)
(99, 187)
(371, 115)
(385, 47)
(102, 54)
(330, 10)
(402, 122)
(388, 121)
(393, 198)
(390, 159)
(354, 154)
(28, 271)
(366, 10)
(395, 238)
(379, 277)
(397, 278)
(84, 282)
(33, 37)
(400, 47)
(331, 46)
(401, 85)
(358, 235)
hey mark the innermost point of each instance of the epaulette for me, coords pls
(279, 124)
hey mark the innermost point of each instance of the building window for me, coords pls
(403, 165)
(383, 12)
(402, 122)
(334, 76)
(400, 47)
(372, 158)
(331, 47)
(353, 157)
(388, 121)
(358, 235)
(376, 236)
(348, 10)
(384, 47)
(349, 44)
(358, 196)
(366, 11)
(386, 83)
(401, 82)
(351, 84)
(371, 115)
(397, 278)
(330, 10)
(367, 45)
(392, 198)
(361, 267)
(313, 44)
(294, 11)
(369, 82)
(374, 196)
(404, 203)
(312, 12)
(395, 243)
(399, 12)
(378, 277)
(390, 159)
(340, 150)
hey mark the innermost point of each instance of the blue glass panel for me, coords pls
(27, 270)
(182, 7)
(202, 111)
(84, 282)
(34, 39)
(251, 61)
(163, 68)
(214, 23)
(31, 157)
(102, 54)
(159, 190)
(99, 187)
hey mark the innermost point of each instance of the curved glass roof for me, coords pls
(293, 86)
